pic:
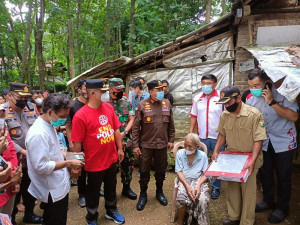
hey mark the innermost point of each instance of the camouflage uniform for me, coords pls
(123, 109)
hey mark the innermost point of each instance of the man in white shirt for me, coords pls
(50, 180)
(206, 114)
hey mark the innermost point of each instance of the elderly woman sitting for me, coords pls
(192, 194)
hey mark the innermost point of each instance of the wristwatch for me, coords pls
(126, 132)
(273, 102)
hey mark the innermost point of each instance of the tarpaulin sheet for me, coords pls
(278, 64)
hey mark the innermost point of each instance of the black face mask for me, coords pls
(21, 103)
(118, 95)
(84, 95)
(232, 108)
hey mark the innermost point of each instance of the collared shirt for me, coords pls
(136, 100)
(194, 171)
(242, 131)
(43, 151)
(208, 114)
(18, 124)
(153, 125)
(280, 131)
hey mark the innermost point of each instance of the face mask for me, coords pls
(105, 97)
(84, 95)
(187, 152)
(232, 107)
(160, 95)
(59, 122)
(207, 89)
(21, 103)
(119, 95)
(38, 101)
(256, 92)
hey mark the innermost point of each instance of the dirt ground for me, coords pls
(154, 213)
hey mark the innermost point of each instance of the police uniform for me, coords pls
(240, 133)
(18, 124)
(153, 128)
(123, 110)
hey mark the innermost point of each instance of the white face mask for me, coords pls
(39, 101)
(105, 97)
(188, 152)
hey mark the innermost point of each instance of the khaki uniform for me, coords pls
(152, 129)
(240, 133)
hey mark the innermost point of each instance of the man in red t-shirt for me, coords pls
(97, 126)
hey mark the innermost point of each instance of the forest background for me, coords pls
(45, 43)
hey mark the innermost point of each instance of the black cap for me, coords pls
(5, 92)
(228, 93)
(20, 88)
(80, 83)
(95, 84)
(154, 84)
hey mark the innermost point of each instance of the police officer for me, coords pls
(278, 150)
(125, 113)
(243, 129)
(153, 133)
(20, 115)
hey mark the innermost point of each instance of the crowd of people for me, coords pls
(104, 130)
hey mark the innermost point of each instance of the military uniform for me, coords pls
(240, 133)
(124, 110)
(152, 129)
(18, 124)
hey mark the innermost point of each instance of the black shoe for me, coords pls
(35, 219)
(141, 202)
(215, 194)
(262, 207)
(101, 193)
(277, 216)
(228, 221)
(129, 193)
(162, 199)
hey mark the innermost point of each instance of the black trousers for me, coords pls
(28, 199)
(56, 212)
(95, 179)
(81, 182)
(160, 165)
(281, 163)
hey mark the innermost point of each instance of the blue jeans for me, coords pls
(210, 144)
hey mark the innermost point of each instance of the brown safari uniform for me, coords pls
(240, 133)
(152, 129)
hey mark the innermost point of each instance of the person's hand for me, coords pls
(75, 164)
(190, 193)
(4, 174)
(249, 166)
(15, 188)
(197, 192)
(75, 173)
(16, 177)
(123, 134)
(137, 151)
(214, 156)
(121, 155)
(267, 94)
(3, 143)
(170, 145)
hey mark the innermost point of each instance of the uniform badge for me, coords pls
(13, 131)
(10, 109)
(148, 119)
(261, 122)
(31, 112)
(10, 116)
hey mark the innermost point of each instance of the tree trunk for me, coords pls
(208, 11)
(132, 28)
(38, 33)
(85, 56)
(223, 5)
(29, 82)
(107, 35)
(15, 40)
(26, 44)
(77, 37)
(71, 48)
